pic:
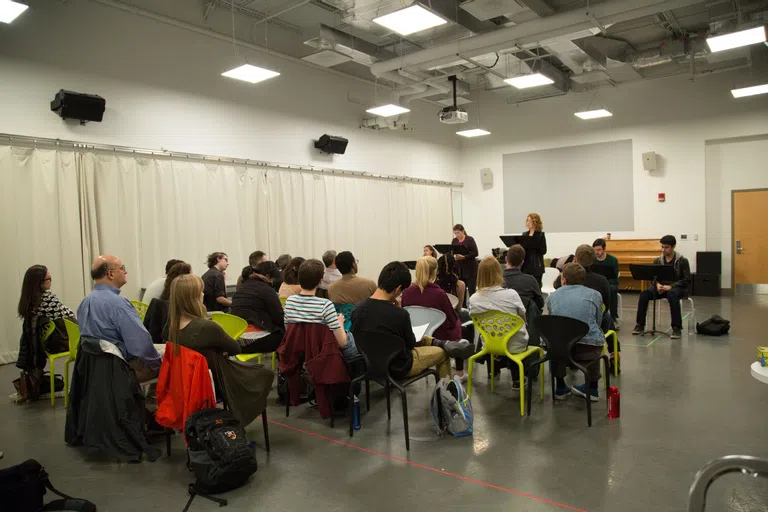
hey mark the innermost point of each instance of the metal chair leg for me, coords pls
(266, 428)
(168, 433)
(367, 394)
(404, 399)
(350, 409)
(389, 410)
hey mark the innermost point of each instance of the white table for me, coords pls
(759, 372)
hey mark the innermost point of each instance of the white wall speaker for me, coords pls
(650, 161)
(486, 177)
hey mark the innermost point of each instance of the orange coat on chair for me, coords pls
(183, 387)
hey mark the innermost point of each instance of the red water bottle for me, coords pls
(614, 402)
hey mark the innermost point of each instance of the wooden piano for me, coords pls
(633, 251)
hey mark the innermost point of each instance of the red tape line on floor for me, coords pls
(429, 468)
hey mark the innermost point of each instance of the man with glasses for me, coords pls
(105, 315)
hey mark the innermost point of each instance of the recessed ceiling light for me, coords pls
(750, 91)
(9, 10)
(593, 114)
(252, 74)
(410, 20)
(737, 39)
(476, 132)
(388, 110)
(526, 81)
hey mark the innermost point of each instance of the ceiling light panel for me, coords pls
(388, 110)
(750, 91)
(593, 114)
(410, 20)
(737, 39)
(526, 81)
(9, 10)
(327, 58)
(251, 74)
(476, 132)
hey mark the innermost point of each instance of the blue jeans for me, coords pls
(673, 296)
(349, 351)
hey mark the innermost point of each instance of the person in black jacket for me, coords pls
(525, 285)
(468, 262)
(256, 302)
(535, 248)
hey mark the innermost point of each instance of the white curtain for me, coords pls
(63, 208)
(40, 223)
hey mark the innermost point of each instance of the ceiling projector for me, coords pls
(453, 115)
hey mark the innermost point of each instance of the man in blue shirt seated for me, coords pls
(105, 315)
(575, 300)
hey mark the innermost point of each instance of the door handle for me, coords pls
(739, 249)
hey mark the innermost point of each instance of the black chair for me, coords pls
(379, 350)
(561, 334)
(358, 372)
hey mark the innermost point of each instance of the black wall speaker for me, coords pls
(709, 262)
(332, 144)
(75, 105)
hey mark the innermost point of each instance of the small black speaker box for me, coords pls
(332, 144)
(75, 105)
(706, 285)
(709, 262)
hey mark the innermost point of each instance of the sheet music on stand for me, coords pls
(419, 331)
(526, 241)
(454, 248)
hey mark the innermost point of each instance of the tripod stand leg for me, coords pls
(193, 493)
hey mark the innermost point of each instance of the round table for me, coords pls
(759, 372)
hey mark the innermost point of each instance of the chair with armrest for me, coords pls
(379, 349)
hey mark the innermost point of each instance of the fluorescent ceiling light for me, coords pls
(9, 10)
(593, 114)
(750, 91)
(252, 74)
(387, 110)
(526, 81)
(737, 39)
(410, 20)
(476, 132)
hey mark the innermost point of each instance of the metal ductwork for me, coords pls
(532, 32)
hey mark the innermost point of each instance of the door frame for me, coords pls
(743, 289)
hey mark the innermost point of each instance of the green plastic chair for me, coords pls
(609, 335)
(496, 329)
(47, 331)
(232, 325)
(247, 357)
(282, 301)
(141, 308)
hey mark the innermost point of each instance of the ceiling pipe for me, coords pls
(532, 32)
(428, 91)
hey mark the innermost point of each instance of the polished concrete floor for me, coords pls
(684, 402)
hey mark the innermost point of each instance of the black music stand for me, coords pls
(654, 273)
(509, 240)
(411, 264)
(454, 248)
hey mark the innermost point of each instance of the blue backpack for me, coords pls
(451, 409)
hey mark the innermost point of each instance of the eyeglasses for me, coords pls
(119, 268)
(46, 279)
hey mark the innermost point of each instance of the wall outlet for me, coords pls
(683, 237)
(696, 237)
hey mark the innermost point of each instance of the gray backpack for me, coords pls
(451, 408)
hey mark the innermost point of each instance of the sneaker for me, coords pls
(459, 349)
(639, 329)
(562, 393)
(516, 384)
(594, 395)
(677, 333)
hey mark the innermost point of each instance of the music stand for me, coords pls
(454, 248)
(508, 240)
(653, 273)
(411, 264)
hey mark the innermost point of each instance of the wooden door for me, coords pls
(750, 237)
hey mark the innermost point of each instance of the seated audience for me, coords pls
(257, 257)
(448, 278)
(256, 302)
(575, 300)
(105, 315)
(215, 294)
(332, 273)
(282, 261)
(380, 313)
(525, 285)
(430, 251)
(290, 285)
(490, 296)
(350, 289)
(672, 291)
(424, 292)
(156, 317)
(305, 307)
(604, 259)
(244, 386)
(37, 299)
(155, 289)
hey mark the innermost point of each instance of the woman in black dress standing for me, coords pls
(468, 262)
(536, 247)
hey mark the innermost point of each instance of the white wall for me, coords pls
(673, 117)
(731, 165)
(164, 90)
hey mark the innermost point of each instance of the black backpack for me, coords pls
(219, 452)
(714, 326)
(23, 486)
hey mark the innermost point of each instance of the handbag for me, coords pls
(23, 486)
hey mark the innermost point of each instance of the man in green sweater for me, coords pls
(604, 259)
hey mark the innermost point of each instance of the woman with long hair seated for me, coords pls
(156, 318)
(290, 284)
(426, 293)
(243, 384)
(490, 296)
(37, 299)
(448, 278)
(256, 302)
